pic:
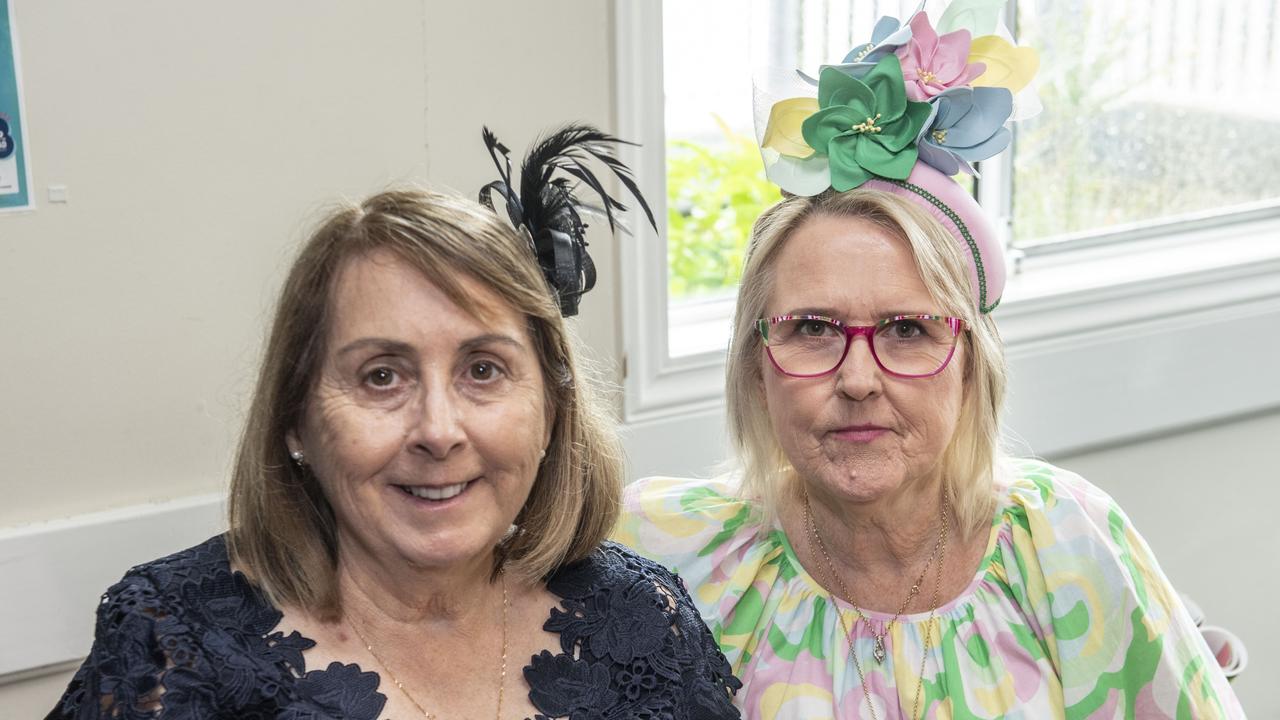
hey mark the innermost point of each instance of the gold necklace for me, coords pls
(502, 681)
(877, 645)
(940, 548)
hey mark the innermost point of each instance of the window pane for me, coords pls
(1154, 111)
(715, 183)
(715, 180)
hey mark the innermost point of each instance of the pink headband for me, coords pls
(965, 219)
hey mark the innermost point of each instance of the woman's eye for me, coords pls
(483, 371)
(381, 377)
(814, 328)
(907, 329)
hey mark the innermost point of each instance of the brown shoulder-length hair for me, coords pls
(973, 460)
(282, 529)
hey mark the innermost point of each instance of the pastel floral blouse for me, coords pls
(1069, 615)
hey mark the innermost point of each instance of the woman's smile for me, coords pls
(435, 496)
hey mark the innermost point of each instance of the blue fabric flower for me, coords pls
(967, 125)
(887, 36)
(188, 694)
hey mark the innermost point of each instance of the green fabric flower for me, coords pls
(867, 128)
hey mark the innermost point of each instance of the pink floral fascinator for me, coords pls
(903, 113)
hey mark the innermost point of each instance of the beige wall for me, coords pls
(197, 141)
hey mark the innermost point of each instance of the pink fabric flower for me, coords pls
(931, 64)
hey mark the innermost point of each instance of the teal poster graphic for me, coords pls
(15, 172)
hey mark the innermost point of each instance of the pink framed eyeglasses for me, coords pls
(905, 346)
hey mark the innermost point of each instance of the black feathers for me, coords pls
(549, 212)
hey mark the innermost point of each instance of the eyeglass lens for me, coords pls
(903, 347)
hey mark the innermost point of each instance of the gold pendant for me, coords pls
(877, 649)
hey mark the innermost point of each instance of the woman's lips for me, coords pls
(860, 433)
(434, 496)
(443, 492)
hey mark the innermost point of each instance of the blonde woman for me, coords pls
(876, 556)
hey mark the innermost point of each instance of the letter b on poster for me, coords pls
(15, 169)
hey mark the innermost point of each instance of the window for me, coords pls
(715, 182)
(1155, 113)
(1157, 124)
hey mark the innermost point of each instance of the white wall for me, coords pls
(197, 141)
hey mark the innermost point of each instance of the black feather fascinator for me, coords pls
(547, 210)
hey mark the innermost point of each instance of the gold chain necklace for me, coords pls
(878, 646)
(502, 681)
(939, 548)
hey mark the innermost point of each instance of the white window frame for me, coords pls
(655, 384)
(1060, 313)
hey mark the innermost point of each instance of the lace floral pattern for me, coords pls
(185, 637)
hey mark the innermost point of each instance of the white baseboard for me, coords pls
(54, 573)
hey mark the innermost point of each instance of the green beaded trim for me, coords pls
(964, 232)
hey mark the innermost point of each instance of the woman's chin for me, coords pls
(858, 486)
(437, 548)
(444, 555)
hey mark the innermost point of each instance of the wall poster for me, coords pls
(15, 160)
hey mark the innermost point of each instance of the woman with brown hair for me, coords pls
(418, 506)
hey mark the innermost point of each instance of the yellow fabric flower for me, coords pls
(1007, 66)
(783, 133)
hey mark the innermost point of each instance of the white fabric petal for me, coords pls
(806, 177)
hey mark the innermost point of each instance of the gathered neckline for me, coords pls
(965, 597)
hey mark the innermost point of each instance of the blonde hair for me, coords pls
(971, 459)
(282, 529)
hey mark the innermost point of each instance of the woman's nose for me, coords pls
(859, 376)
(435, 423)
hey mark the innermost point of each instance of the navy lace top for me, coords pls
(185, 637)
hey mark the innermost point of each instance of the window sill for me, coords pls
(1067, 293)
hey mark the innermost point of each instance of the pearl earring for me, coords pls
(298, 458)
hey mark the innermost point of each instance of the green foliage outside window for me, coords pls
(714, 194)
